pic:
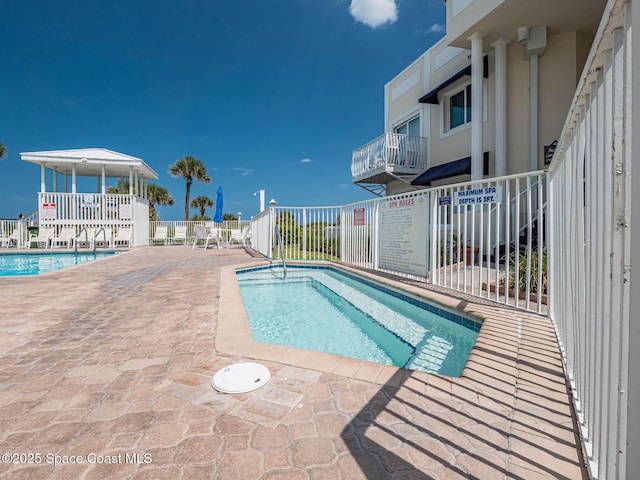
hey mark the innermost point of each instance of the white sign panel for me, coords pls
(403, 235)
(49, 211)
(478, 196)
(124, 212)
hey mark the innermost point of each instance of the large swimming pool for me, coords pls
(19, 264)
(325, 309)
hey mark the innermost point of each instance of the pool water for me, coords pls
(326, 310)
(35, 263)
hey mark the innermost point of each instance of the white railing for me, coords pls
(308, 233)
(401, 153)
(13, 233)
(492, 248)
(81, 208)
(590, 243)
(495, 249)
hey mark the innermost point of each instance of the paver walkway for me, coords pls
(105, 369)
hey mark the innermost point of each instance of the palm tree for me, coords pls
(157, 195)
(121, 188)
(201, 202)
(3, 151)
(189, 168)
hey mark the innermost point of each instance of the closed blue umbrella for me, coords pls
(218, 216)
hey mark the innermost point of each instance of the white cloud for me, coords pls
(374, 13)
(243, 171)
(435, 28)
(305, 160)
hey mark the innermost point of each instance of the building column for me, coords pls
(130, 180)
(65, 182)
(477, 76)
(104, 180)
(55, 179)
(500, 49)
(136, 190)
(533, 112)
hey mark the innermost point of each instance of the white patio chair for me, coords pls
(85, 237)
(239, 237)
(122, 236)
(161, 235)
(180, 234)
(65, 236)
(202, 235)
(44, 235)
(103, 237)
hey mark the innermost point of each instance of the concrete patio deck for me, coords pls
(108, 365)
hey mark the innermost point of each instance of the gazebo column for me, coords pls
(43, 178)
(146, 194)
(130, 180)
(104, 180)
(65, 186)
(55, 179)
(136, 191)
(73, 178)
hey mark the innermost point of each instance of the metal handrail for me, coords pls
(284, 264)
(75, 241)
(101, 229)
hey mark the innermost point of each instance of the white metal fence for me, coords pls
(590, 246)
(485, 238)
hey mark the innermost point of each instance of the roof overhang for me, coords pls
(89, 162)
(449, 169)
(432, 96)
(503, 21)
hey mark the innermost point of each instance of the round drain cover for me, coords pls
(241, 378)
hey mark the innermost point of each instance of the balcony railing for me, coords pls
(390, 152)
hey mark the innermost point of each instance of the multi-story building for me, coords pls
(489, 99)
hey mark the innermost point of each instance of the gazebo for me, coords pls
(62, 206)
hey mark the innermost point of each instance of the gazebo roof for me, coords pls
(89, 162)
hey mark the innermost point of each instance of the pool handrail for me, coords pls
(284, 264)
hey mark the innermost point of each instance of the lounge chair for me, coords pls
(239, 237)
(11, 240)
(85, 237)
(66, 236)
(104, 237)
(160, 235)
(44, 235)
(202, 235)
(180, 234)
(122, 236)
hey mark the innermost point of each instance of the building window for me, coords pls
(458, 107)
(411, 128)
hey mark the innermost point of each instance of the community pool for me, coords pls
(324, 309)
(20, 264)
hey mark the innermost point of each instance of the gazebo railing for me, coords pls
(79, 208)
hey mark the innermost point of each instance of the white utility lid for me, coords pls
(241, 378)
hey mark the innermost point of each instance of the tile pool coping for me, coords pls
(233, 336)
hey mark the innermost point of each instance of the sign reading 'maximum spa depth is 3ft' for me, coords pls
(477, 196)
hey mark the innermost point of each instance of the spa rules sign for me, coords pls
(403, 235)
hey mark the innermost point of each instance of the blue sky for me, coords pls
(270, 95)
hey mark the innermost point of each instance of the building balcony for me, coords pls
(391, 156)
